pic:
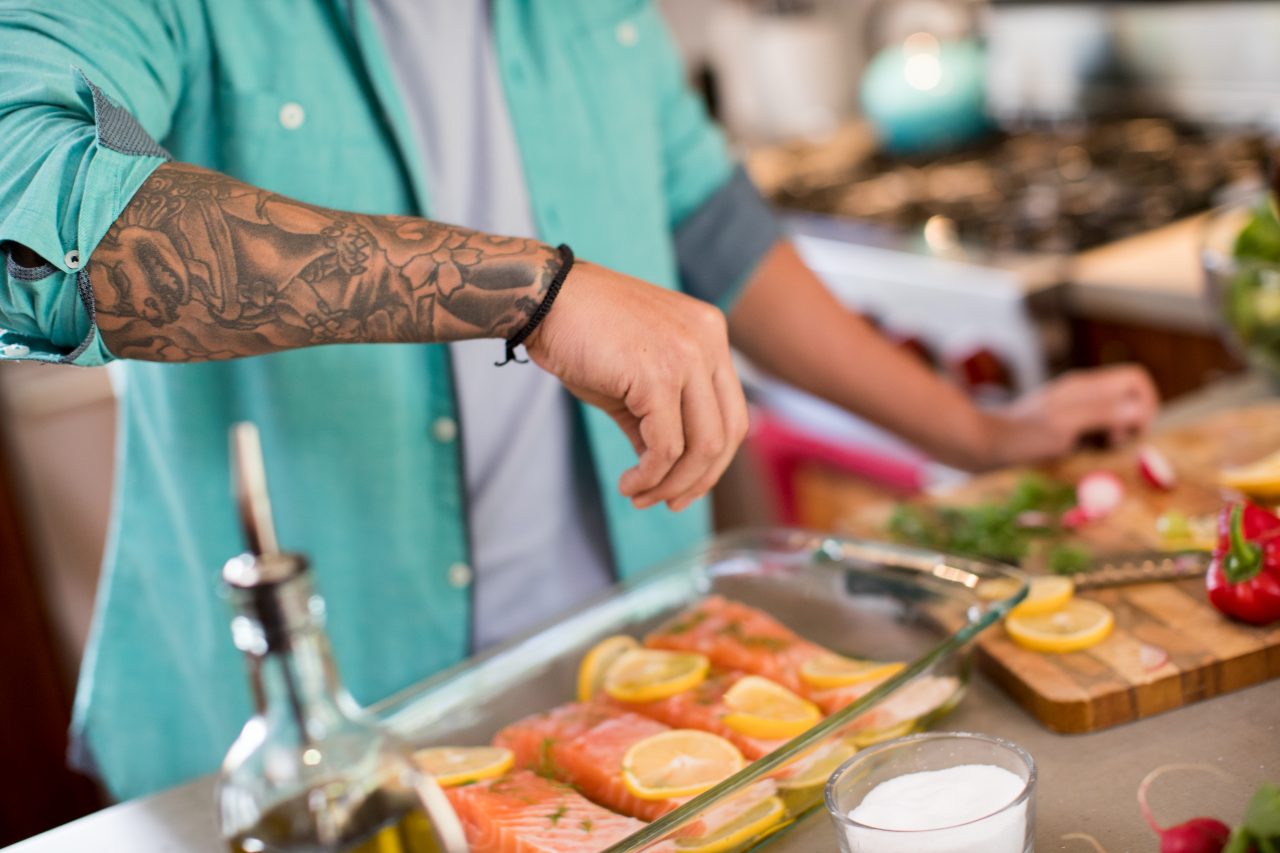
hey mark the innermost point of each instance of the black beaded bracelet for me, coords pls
(566, 264)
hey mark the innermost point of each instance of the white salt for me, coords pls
(937, 807)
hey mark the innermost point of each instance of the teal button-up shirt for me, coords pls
(295, 96)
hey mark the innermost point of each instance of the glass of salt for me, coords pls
(936, 793)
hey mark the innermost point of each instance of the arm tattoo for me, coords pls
(200, 266)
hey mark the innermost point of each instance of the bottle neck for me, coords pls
(293, 678)
(296, 688)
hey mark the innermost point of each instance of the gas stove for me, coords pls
(1058, 189)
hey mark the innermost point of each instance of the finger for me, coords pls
(1131, 382)
(1118, 402)
(704, 441)
(1135, 406)
(615, 409)
(733, 412)
(630, 426)
(661, 430)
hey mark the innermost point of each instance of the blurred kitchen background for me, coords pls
(1010, 189)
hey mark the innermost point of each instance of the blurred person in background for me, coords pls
(185, 184)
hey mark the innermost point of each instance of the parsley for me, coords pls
(509, 787)
(993, 530)
(586, 824)
(773, 644)
(1068, 559)
(560, 812)
(734, 629)
(686, 622)
(547, 767)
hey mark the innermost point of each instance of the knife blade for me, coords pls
(1143, 567)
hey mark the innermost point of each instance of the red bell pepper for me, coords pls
(1244, 576)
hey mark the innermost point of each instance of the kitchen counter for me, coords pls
(1152, 279)
(1087, 783)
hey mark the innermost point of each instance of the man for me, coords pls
(197, 181)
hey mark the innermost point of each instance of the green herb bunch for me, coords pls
(1010, 531)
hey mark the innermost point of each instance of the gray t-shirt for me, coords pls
(538, 542)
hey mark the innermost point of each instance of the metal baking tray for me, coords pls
(869, 599)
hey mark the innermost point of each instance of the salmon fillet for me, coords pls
(525, 813)
(584, 744)
(835, 698)
(702, 708)
(911, 701)
(734, 636)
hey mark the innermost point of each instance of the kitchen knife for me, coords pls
(1143, 567)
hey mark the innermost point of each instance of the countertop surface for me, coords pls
(1087, 783)
(1152, 279)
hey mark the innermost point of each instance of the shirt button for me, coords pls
(627, 34)
(72, 259)
(444, 430)
(292, 116)
(460, 575)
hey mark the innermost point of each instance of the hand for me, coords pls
(658, 363)
(1051, 421)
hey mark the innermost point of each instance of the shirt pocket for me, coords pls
(295, 146)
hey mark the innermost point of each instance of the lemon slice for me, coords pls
(997, 589)
(461, 765)
(597, 662)
(1078, 625)
(760, 708)
(1261, 478)
(1180, 532)
(828, 670)
(755, 821)
(646, 675)
(678, 763)
(1045, 594)
(815, 767)
(871, 737)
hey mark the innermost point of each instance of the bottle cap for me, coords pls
(270, 587)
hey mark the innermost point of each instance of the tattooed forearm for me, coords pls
(200, 266)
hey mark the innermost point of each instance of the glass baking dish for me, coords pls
(860, 598)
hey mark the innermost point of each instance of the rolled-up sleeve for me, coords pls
(87, 89)
(722, 226)
(719, 245)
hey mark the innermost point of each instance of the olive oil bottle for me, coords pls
(310, 772)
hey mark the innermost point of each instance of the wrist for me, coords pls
(538, 309)
(985, 441)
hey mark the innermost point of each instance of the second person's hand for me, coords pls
(658, 363)
(1118, 402)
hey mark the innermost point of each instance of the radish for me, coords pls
(1075, 518)
(1198, 835)
(1151, 657)
(1155, 468)
(1033, 519)
(1098, 493)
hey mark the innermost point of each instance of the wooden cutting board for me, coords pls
(1170, 647)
